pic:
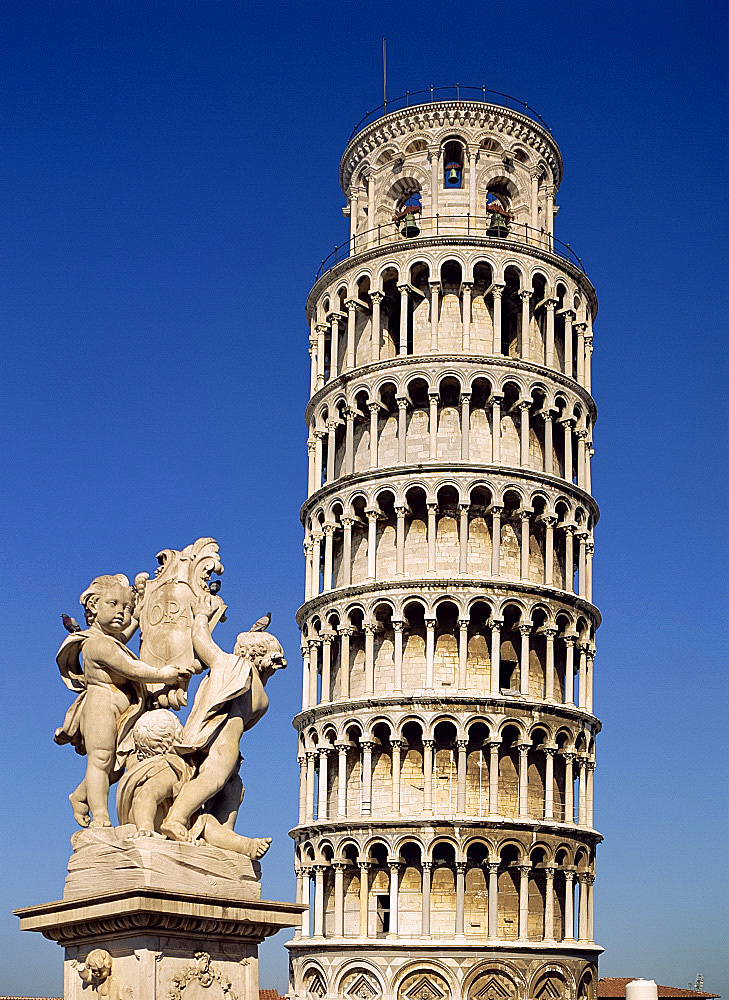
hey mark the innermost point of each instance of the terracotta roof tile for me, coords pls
(613, 988)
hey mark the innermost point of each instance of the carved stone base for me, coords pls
(113, 860)
(152, 945)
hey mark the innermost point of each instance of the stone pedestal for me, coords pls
(148, 919)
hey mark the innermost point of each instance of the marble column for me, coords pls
(366, 747)
(465, 426)
(429, 652)
(463, 509)
(495, 686)
(342, 750)
(398, 629)
(493, 901)
(428, 776)
(462, 747)
(497, 291)
(525, 630)
(364, 897)
(425, 898)
(462, 653)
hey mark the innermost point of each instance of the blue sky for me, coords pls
(169, 186)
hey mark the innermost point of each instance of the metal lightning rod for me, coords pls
(384, 72)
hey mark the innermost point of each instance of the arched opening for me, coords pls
(508, 924)
(453, 164)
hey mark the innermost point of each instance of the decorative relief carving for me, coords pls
(203, 972)
(424, 985)
(95, 973)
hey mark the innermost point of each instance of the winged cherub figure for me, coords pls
(110, 683)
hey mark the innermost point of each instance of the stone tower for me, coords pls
(445, 840)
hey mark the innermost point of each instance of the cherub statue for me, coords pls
(149, 787)
(96, 973)
(230, 700)
(110, 682)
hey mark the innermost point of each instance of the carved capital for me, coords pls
(463, 623)
(376, 295)
(398, 625)
(525, 628)
(428, 744)
(367, 745)
(495, 624)
(465, 398)
(462, 745)
(548, 631)
(525, 294)
(497, 290)
(347, 630)
(402, 403)
(430, 622)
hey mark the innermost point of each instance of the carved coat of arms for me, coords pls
(166, 615)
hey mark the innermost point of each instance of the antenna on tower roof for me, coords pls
(384, 72)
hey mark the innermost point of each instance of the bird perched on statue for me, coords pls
(70, 624)
(214, 586)
(262, 624)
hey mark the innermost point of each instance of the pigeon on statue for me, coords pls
(70, 624)
(262, 624)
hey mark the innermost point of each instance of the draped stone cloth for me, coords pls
(210, 709)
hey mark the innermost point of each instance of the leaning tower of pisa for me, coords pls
(445, 841)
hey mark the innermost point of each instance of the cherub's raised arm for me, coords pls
(108, 654)
(202, 642)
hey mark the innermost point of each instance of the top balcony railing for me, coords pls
(452, 92)
(413, 227)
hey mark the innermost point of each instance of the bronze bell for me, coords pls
(452, 172)
(410, 225)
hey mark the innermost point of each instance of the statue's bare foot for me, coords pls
(80, 809)
(144, 832)
(258, 847)
(176, 831)
(99, 822)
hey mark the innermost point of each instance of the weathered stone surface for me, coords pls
(115, 860)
